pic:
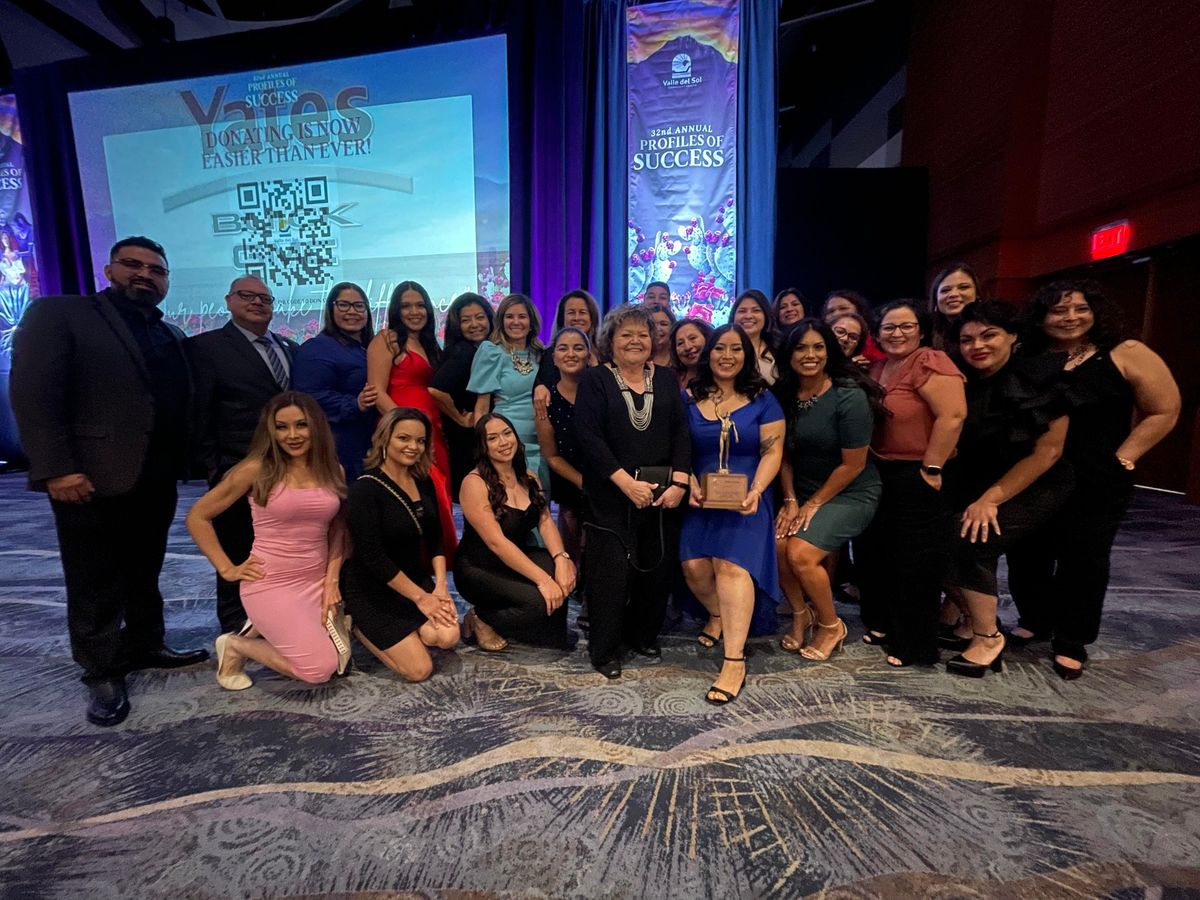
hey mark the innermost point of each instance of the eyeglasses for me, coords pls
(248, 296)
(136, 265)
(902, 327)
(844, 333)
(350, 305)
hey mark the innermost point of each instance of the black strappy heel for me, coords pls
(726, 697)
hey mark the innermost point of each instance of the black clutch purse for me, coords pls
(659, 475)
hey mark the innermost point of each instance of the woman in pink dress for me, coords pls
(401, 360)
(290, 579)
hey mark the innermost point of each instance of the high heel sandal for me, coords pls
(874, 639)
(706, 640)
(725, 696)
(819, 655)
(789, 643)
(471, 635)
(238, 681)
(960, 665)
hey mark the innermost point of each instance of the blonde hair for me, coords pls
(265, 450)
(383, 436)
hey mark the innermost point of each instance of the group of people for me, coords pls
(906, 449)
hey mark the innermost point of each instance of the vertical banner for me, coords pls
(18, 271)
(682, 62)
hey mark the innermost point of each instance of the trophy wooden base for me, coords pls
(723, 490)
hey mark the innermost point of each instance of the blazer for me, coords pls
(81, 393)
(233, 384)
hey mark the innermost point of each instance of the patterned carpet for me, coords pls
(525, 774)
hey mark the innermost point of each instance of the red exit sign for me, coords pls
(1111, 239)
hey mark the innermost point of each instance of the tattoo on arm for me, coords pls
(765, 447)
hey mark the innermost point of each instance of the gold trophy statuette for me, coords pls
(724, 489)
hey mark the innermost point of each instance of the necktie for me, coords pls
(277, 368)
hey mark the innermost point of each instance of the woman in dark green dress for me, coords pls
(830, 487)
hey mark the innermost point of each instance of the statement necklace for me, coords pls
(524, 365)
(803, 405)
(639, 419)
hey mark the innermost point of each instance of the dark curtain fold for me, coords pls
(756, 144)
(64, 261)
(567, 134)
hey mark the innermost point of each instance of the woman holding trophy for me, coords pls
(737, 429)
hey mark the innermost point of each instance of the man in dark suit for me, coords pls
(238, 368)
(101, 390)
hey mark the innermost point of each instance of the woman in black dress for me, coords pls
(517, 589)
(633, 420)
(1008, 478)
(576, 309)
(394, 584)
(468, 322)
(558, 439)
(1059, 581)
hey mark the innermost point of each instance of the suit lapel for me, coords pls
(113, 319)
(249, 354)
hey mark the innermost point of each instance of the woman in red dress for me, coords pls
(401, 360)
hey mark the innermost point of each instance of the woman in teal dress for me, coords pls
(728, 553)
(830, 486)
(504, 372)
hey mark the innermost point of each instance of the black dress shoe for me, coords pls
(165, 658)
(610, 670)
(109, 704)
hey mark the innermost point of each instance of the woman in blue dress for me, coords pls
(504, 371)
(727, 554)
(332, 369)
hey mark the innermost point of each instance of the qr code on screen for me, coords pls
(286, 234)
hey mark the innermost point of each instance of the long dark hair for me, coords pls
(454, 333)
(330, 327)
(497, 492)
(770, 332)
(840, 369)
(1107, 331)
(939, 320)
(428, 335)
(794, 292)
(748, 382)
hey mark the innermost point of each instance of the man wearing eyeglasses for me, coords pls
(101, 390)
(238, 369)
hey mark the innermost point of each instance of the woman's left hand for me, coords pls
(331, 597)
(671, 497)
(564, 574)
(807, 512)
(976, 519)
(750, 504)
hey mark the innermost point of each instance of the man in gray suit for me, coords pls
(100, 388)
(238, 369)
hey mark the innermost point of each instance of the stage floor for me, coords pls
(527, 774)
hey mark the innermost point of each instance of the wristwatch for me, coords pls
(931, 471)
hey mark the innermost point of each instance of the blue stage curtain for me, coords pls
(567, 113)
(756, 151)
(607, 210)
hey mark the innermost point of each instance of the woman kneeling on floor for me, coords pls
(289, 581)
(516, 589)
(395, 580)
